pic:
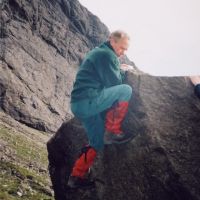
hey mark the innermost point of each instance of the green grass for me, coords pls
(15, 178)
(17, 181)
(24, 148)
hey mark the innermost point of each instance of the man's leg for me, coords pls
(116, 113)
(116, 99)
(81, 167)
(94, 127)
(89, 112)
(90, 107)
(109, 97)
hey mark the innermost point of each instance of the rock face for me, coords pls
(162, 162)
(42, 43)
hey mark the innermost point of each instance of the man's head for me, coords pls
(119, 41)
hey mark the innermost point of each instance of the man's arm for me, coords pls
(195, 79)
(126, 67)
(107, 69)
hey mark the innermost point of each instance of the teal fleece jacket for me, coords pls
(100, 69)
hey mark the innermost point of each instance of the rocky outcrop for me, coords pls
(42, 43)
(162, 162)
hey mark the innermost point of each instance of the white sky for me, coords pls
(165, 34)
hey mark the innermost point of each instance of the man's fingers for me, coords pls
(126, 67)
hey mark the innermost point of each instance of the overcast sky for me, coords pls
(165, 34)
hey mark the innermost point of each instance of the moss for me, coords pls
(25, 148)
(14, 179)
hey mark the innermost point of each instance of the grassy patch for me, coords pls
(25, 148)
(17, 180)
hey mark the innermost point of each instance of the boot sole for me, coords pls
(119, 142)
(81, 187)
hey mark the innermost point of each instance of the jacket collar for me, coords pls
(107, 44)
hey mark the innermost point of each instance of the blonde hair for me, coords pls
(119, 34)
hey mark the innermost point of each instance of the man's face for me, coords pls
(120, 46)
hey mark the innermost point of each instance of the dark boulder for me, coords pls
(162, 162)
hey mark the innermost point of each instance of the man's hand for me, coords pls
(195, 79)
(126, 67)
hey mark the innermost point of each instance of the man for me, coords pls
(196, 81)
(98, 88)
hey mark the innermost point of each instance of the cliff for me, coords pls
(42, 43)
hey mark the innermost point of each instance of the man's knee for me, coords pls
(128, 89)
(126, 92)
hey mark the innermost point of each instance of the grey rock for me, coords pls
(42, 43)
(162, 162)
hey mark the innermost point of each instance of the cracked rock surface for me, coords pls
(42, 43)
(162, 162)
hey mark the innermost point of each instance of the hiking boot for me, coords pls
(121, 138)
(75, 182)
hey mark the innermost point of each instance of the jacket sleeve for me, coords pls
(123, 74)
(108, 70)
